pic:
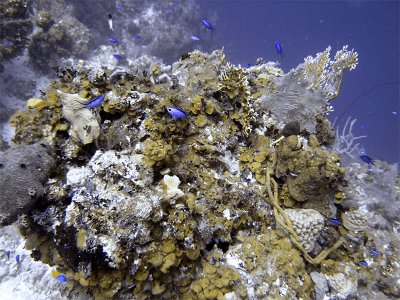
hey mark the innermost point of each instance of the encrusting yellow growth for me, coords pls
(287, 224)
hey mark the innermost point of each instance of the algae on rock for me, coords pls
(230, 201)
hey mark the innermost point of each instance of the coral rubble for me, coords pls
(231, 202)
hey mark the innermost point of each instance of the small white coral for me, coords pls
(342, 285)
(172, 183)
(308, 224)
(356, 220)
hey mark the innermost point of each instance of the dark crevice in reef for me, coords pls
(107, 116)
(224, 246)
(66, 238)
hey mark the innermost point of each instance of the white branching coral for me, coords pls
(322, 73)
(345, 144)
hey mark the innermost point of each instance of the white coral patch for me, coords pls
(308, 224)
(77, 176)
(172, 183)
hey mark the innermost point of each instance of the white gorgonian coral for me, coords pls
(322, 73)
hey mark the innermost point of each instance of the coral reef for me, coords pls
(233, 201)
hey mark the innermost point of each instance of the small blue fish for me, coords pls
(278, 48)
(207, 25)
(194, 38)
(110, 22)
(136, 37)
(176, 112)
(335, 221)
(17, 258)
(249, 65)
(113, 40)
(364, 263)
(376, 252)
(119, 57)
(119, 7)
(7, 43)
(45, 212)
(366, 159)
(246, 180)
(61, 278)
(95, 102)
(8, 252)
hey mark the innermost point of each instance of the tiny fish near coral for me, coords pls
(59, 277)
(207, 24)
(95, 102)
(364, 263)
(278, 48)
(376, 252)
(334, 221)
(110, 22)
(176, 112)
(113, 40)
(366, 159)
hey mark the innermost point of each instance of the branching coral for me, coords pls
(344, 143)
(325, 74)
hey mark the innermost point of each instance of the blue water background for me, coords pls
(249, 29)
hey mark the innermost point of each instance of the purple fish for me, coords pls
(137, 37)
(95, 102)
(176, 112)
(364, 263)
(8, 252)
(207, 24)
(45, 212)
(278, 48)
(194, 38)
(119, 57)
(61, 278)
(366, 159)
(17, 258)
(334, 221)
(113, 40)
(376, 252)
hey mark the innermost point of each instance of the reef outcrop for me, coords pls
(229, 202)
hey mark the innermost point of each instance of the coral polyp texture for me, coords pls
(232, 201)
